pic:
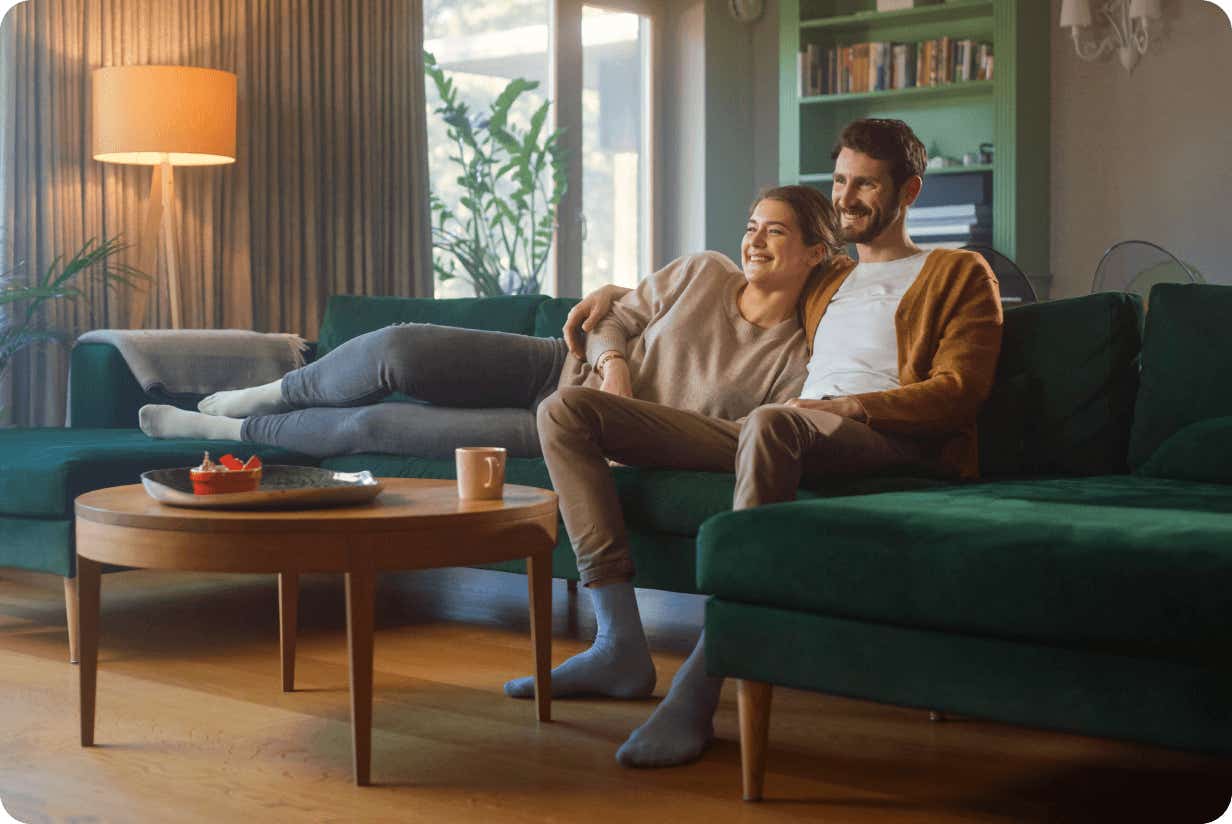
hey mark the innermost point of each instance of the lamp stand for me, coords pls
(160, 227)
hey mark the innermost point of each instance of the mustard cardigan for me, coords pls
(949, 336)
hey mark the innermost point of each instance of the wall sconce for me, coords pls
(1128, 20)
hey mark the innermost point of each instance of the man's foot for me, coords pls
(242, 403)
(169, 422)
(682, 726)
(607, 669)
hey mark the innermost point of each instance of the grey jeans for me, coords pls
(468, 387)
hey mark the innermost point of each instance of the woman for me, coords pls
(701, 334)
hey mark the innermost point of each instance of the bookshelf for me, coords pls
(1011, 110)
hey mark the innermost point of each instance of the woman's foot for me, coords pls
(242, 403)
(169, 422)
(608, 669)
(618, 664)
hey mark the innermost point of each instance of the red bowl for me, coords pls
(220, 483)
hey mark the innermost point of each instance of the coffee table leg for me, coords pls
(539, 574)
(288, 620)
(360, 597)
(88, 583)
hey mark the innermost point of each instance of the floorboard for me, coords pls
(193, 725)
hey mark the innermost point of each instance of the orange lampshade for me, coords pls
(143, 114)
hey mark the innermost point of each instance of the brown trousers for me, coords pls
(770, 451)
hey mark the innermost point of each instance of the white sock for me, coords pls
(169, 422)
(617, 665)
(265, 399)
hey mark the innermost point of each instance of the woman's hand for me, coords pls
(847, 407)
(583, 317)
(616, 378)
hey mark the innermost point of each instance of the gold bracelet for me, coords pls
(604, 358)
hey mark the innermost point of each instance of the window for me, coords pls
(482, 45)
(615, 160)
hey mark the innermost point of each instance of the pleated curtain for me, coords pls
(328, 194)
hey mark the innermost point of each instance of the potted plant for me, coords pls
(23, 301)
(498, 236)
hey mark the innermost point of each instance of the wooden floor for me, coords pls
(192, 725)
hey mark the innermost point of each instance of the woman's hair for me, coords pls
(815, 215)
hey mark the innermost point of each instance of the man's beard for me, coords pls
(878, 220)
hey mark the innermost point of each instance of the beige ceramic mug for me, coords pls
(481, 473)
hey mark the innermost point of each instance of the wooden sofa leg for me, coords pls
(753, 704)
(288, 625)
(70, 614)
(571, 585)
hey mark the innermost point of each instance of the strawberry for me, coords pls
(230, 462)
(253, 463)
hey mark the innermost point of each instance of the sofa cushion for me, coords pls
(348, 316)
(1200, 452)
(43, 470)
(1120, 562)
(1063, 399)
(652, 500)
(38, 544)
(1186, 368)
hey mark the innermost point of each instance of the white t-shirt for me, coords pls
(856, 346)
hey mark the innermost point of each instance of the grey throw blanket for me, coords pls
(201, 361)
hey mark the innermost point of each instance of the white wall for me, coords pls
(682, 89)
(720, 123)
(1146, 155)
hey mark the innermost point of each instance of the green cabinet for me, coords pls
(1010, 111)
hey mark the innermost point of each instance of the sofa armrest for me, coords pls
(104, 394)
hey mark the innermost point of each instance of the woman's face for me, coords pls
(773, 253)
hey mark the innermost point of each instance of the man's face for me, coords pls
(865, 195)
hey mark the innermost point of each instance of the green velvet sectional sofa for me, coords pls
(1084, 585)
(1062, 591)
(43, 470)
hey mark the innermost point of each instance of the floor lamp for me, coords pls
(163, 116)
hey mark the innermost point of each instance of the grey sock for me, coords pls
(169, 422)
(682, 726)
(617, 665)
(265, 399)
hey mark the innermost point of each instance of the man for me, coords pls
(904, 347)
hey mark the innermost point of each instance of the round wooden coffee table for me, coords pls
(414, 524)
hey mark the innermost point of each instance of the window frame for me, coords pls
(565, 46)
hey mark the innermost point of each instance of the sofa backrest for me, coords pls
(1063, 401)
(550, 317)
(1186, 367)
(348, 316)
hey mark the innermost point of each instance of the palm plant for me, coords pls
(512, 182)
(23, 301)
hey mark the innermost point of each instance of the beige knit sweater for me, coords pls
(688, 346)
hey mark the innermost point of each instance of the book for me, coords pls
(878, 66)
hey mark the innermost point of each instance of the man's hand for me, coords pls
(847, 407)
(616, 378)
(583, 317)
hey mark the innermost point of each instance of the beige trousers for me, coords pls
(770, 451)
